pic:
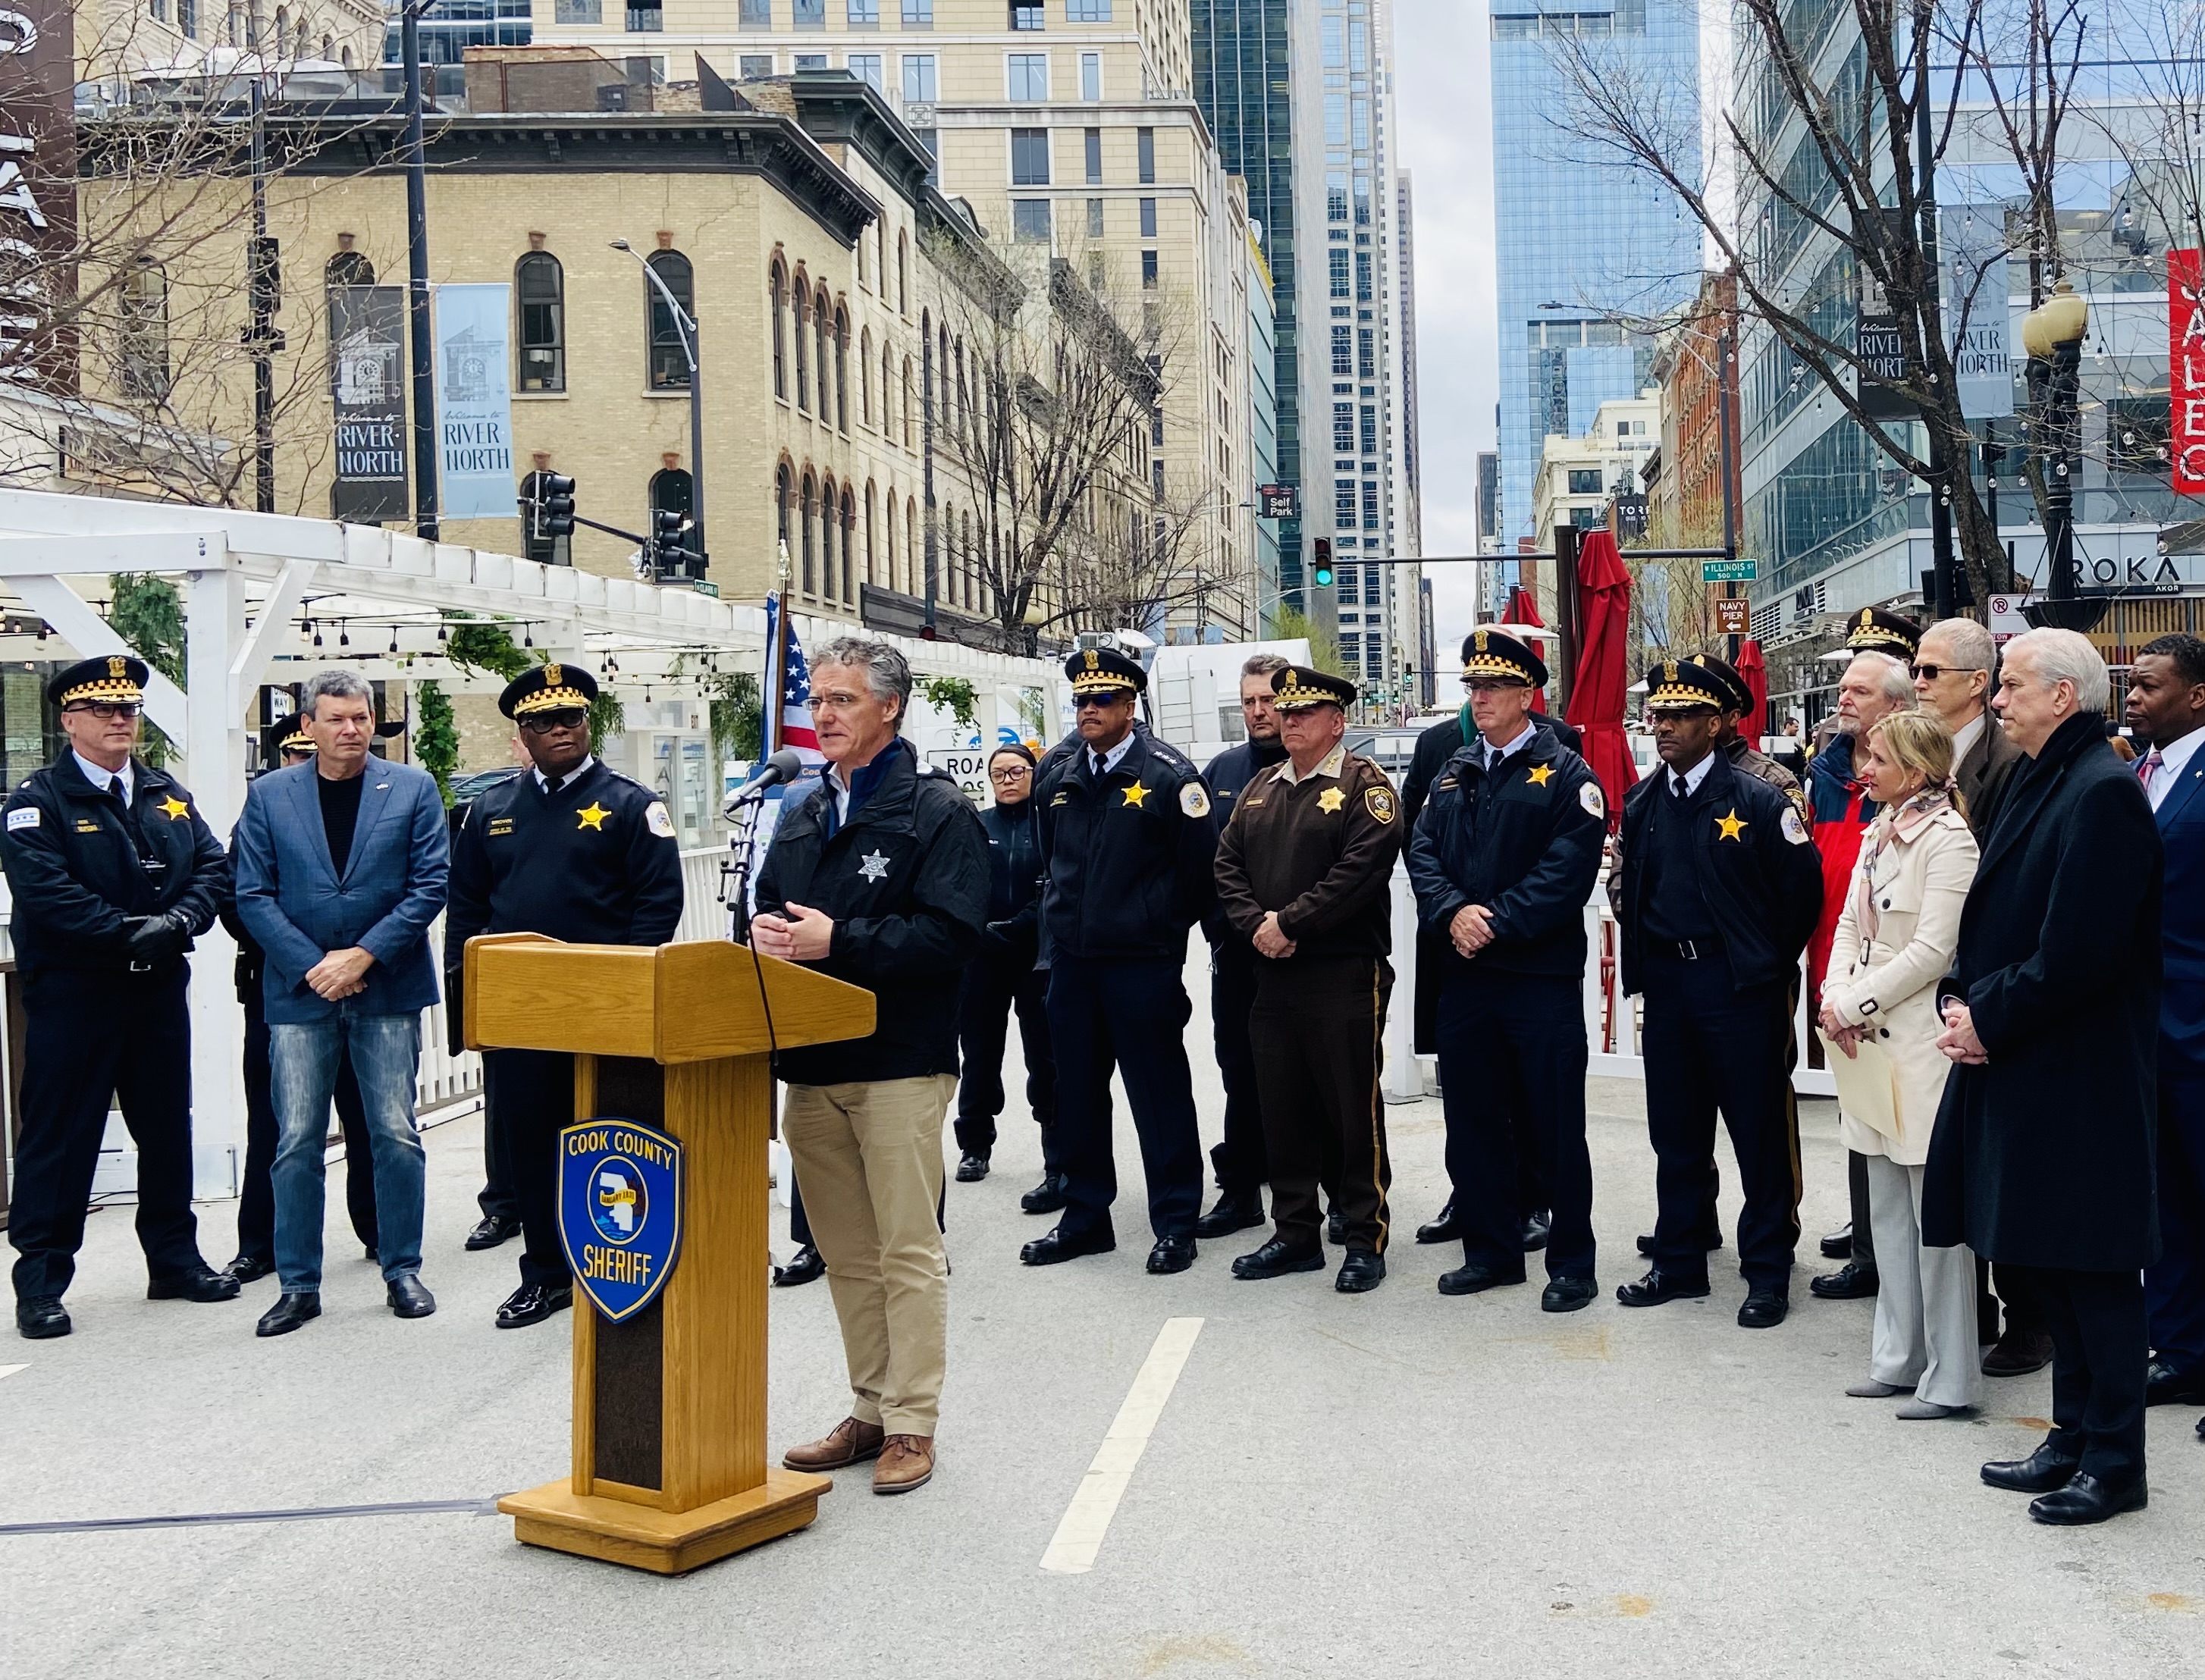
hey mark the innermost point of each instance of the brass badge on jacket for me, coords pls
(1379, 801)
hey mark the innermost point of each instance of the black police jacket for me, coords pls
(1228, 776)
(1440, 743)
(1525, 842)
(1759, 874)
(1129, 857)
(1013, 881)
(905, 883)
(77, 873)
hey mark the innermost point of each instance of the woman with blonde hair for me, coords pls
(1894, 942)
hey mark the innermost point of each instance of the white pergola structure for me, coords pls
(244, 578)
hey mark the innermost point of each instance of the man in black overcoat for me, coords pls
(2043, 1158)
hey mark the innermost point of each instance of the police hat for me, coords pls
(1294, 689)
(1492, 656)
(298, 741)
(114, 676)
(547, 688)
(1102, 671)
(1676, 686)
(1741, 696)
(1875, 631)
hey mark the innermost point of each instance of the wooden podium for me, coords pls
(670, 1451)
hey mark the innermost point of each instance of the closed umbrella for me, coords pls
(1598, 694)
(1754, 669)
(1524, 611)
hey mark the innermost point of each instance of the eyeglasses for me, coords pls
(107, 710)
(1924, 673)
(1482, 686)
(838, 702)
(1015, 773)
(542, 723)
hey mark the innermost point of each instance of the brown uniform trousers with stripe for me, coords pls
(1316, 1030)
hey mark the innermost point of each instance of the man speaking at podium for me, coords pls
(878, 876)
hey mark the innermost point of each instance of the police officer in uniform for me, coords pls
(577, 852)
(1128, 843)
(1721, 889)
(1303, 872)
(1502, 861)
(114, 875)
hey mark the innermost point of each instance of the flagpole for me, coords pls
(777, 659)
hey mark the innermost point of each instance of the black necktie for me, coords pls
(114, 786)
(1677, 786)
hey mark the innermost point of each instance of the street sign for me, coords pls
(2007, 619)
(1276, 502)
(1735, 617)
(1726, 571)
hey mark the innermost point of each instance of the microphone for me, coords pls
(785, 765)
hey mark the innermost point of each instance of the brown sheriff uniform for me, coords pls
(1319, 849)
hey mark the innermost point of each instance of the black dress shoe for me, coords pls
(1710, 1244)
(805, 1267)
(491, 1230)
(1567, 1295)
(205, 1284)
(41, 1318)
(1838, 1245)
(1045, 1197)
(1537, 1227)
(369, 1252)
(1658, 1287)
(1232, 1214)
(2165, 1386)
(1852, 1281)
(2043, 1471)
(2018, 1352)
(1172, 1254)
(2090, 1498)
(1335, 1229)
(409, 1297)
(289, 1312)
(1054, 1247)
(1443, 1229)
(1276, 1258)
(972, 1167)
(250, 1267)
(1764, 1309)
(1360, 1272)
(531, 1303)
(1472, 1279)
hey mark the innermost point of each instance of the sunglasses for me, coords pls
(542, 723)
(1930, 673)
(105, 711)
(1099, 702)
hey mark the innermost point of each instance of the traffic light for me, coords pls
(265, 271)
(547, 514)
(1320, 572)
(669, 546)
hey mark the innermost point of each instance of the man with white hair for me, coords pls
(1876, 684)
(2043, 1158)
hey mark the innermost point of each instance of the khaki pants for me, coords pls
(869, 1158)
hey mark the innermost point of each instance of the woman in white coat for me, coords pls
(1894, 942)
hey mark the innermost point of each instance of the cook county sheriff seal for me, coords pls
(620, 1212)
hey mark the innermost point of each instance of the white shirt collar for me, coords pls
(1110, 761)
(1327, 766)
(99, 778)
(567, 779)
(1965, 737)
(2172, 760)
(1510, 749)
(1693, 777)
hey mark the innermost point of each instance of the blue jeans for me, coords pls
(385, 1051)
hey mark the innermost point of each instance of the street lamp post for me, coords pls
(2052, 334)
(684, 324)
(424, 353)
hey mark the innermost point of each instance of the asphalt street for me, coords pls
(1396, 1483)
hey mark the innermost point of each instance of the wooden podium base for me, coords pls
(665, 1542)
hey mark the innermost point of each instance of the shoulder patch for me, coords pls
(1194, 799)
(1589, 796)
(1794, 829)
(1378, 802)
(656, 817)
(25, 817)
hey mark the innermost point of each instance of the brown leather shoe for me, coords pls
(848, 1442)
(2018, 1352)
(906, 1462)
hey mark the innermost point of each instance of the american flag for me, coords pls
(794, 726)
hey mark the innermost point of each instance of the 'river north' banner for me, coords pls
(475, 407)
(367, 390)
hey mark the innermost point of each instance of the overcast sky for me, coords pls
(1446, 143)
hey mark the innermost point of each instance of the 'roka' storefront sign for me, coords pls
(2186, 364)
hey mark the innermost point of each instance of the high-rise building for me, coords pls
(1264, 426)
(1409, 485)
(1581, 244)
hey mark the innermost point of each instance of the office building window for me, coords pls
(918, 77)
(1027, 17)
(866, 67)
(1362, 125)
(1343, 353)
(1343, 502)
(669, 369)
(1335, 196)
(1363, 201)
(1370, 508)
(1029, 157)
(1030, 221)
(757, 14)
(810, 13)
(811, 61)
(1584, 481)
(754, 66)
(918, 14)
(1028, 75)
(1087, 11)
(1145, 144)
(1148, 270)
(1343, 427)
(1332, 33)
(1370, 430)
(1090, 75)
(1359, 47)
(1351, 595)
(863, 14)
(926, 137)
(1148, 218)
(1366, 358)
(1362, 276)
(539, 296)
(645, 19)
(1093, 142)
(1335, 118)
(1338, 259)
(1094, 218)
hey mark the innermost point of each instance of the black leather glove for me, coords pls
(157, 938)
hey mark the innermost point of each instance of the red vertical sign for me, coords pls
(2185, 366)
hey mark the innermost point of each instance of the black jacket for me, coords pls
(1013, 834)
(906, 882)
(2044, 1155)
(1525, 843)
(1128, 859)
(1440, 743)
(75, 871)
(1228, 776)
(1763, 882)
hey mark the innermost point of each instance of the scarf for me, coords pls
(1897, 824)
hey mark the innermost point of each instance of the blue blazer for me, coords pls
(2181, 819)
(299, 910)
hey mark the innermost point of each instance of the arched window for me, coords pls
(143, 372)
(873, 552)
(908, 436)
(865, 375)
(803, 354)
(842, 369)
(971, 559)
(783, 489)
(911, 545)
(348, 268)
(777, 295)
(668, 356)
(888, 538)
(810, 575)
(283, 31)
(823, 321)
(329, 48)
(672, 491)
(903, 275)
(964, 417)
(539, 295)
(849, 544)
(827, 523)
(887, 389)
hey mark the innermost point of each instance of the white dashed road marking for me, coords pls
(1087, 1519)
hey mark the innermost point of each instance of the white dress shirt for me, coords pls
(1691, 778)
(2173, 758)
(1102, 763)
(546, 785)
(1495, 756)
(99, 778)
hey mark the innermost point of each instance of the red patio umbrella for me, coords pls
(1598, 694)
(1754, 669)
(1524, 611)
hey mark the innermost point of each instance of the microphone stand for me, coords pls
(737, 869)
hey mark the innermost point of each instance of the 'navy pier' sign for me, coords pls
(620, 1212)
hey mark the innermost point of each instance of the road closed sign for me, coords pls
(967, 765)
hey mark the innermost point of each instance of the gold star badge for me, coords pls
(1540, 773)
(1732, 826)
(1136, 793)
(594, 817)
(176, 810)
(1331, 799)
